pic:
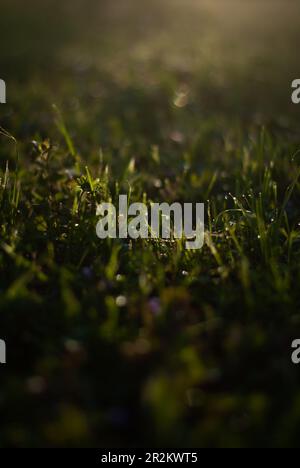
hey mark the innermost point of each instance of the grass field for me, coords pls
(121, 343)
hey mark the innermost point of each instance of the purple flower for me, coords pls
(155, 305)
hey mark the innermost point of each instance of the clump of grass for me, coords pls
(178, 326)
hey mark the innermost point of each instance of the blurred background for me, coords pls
(230, 56)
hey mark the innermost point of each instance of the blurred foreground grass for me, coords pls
(146, 344)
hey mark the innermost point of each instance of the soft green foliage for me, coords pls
(141, 342)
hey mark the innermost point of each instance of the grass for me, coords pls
(122, 343)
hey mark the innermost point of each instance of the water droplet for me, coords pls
(121, 301)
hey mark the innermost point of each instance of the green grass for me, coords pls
(142, 343)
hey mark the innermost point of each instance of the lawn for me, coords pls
(143, 343)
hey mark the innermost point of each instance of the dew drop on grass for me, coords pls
(121, 301)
